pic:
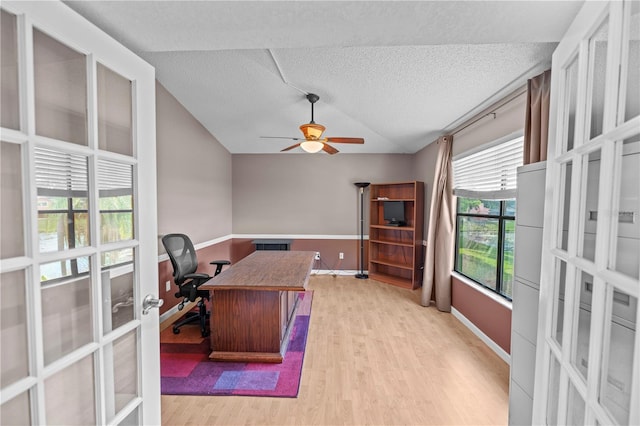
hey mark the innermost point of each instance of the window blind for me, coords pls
(489, 174)
(114, 178)
(60, 174)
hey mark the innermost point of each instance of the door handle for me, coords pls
(149, 302)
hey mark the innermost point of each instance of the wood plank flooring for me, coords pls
(374, 357)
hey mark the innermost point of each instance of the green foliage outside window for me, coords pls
(485, 236)
(63, 224)
(61, 217)
(116, 218)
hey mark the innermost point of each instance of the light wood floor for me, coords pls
(374, 356)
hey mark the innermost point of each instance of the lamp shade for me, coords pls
(311, 146)
(312, 131)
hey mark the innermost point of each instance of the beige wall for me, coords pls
(307, 194)
(194, 175)
(424, 165)
(508, 118)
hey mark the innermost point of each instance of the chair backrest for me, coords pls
(182, 255)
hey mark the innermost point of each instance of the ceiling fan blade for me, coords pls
(346, 140)
(282, 137)
(290, 147)
(329, 149)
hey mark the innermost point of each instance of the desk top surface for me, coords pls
(266, 270)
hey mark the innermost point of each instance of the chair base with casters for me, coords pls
(183, 259)
(186, 291)
(201, 316)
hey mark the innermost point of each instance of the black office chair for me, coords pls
(184, 261)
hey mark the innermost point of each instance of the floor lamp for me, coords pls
(362, 186)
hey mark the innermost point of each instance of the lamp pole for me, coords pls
(362, 186)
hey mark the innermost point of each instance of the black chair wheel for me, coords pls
(176, 330)
(205, 334)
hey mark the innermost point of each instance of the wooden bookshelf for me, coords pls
(396, 252)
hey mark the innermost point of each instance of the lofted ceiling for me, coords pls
(397, 73)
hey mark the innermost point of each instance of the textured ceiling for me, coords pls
(395, 73)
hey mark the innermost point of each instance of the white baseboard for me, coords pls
(337, 272)
(171, 312)
(177, 312)
(475, 330)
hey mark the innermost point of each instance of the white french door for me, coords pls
(78, 251)
(588, 351)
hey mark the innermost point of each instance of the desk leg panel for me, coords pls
(245, 321)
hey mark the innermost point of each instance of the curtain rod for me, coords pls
(491, 110)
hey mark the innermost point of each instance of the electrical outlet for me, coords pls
(341, 255)
(317, 255)
(167, 286)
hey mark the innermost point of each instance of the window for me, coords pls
(485, 184)
(485, 231)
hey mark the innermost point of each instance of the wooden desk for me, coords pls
(252, 305)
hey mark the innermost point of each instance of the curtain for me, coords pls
(441, 236)
(536, 126)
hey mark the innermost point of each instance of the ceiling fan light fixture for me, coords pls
(311, 146)
(312, 131)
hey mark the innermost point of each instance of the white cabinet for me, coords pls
(524, 317)
(525, 305)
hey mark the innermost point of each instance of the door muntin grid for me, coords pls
(584, 334)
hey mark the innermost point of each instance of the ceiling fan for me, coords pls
(313, 140)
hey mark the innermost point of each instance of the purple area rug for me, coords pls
(186, 369)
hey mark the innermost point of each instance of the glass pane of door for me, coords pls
(567, 170)
(16, 411)
(632, 100)
(627, 242)
(558, 307)
(592, 171)
(115, 131)
(70, 395)
(122, 357)
(115, 183)
(575, 410)
(553, 392)
(117, 288)
(11, 207)
(66, 309)
(616, 378)
(63, 218)
(60, 90)
(14, 349)
(10, 104)
(580, 356)
(571, 101)
(598, 46)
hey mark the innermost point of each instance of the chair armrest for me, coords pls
(219, 264)
(196, 276)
